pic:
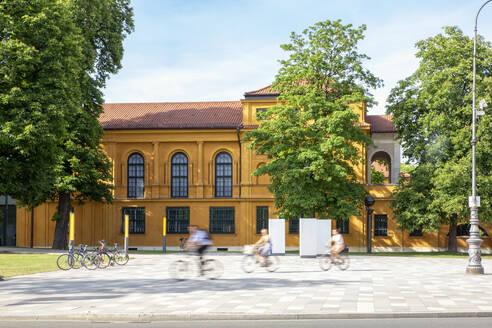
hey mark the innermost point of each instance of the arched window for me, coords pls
(223, 175)
(136, 176)
(179, 175)
(380, 168)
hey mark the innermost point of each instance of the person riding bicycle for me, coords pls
(337, 245)
(199, 241)
(264, 245)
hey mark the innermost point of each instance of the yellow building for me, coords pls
(187, 162)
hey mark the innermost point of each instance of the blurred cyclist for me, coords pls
(199, 241)
(264, 245)
(337, 245)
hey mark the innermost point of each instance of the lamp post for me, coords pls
(369, 201)
(474, 251)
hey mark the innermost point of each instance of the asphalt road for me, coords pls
(353, 323)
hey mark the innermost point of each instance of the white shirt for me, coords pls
(338, 239)
(200, 237)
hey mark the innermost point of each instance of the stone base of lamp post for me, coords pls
(474, 251)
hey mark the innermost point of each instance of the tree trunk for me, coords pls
(61, 228)
(452, 242)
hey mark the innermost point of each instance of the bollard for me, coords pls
(127, 219)
(72, 231)
(164, 226)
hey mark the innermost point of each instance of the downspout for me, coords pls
(238, 128)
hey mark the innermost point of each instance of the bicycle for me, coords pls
(117, 256)
(98, 258)
(325, 261)
(251, 259)
(182, 268)
(73, 259)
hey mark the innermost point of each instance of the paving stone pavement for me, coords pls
(372, 286)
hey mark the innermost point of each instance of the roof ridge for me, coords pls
(173, 102)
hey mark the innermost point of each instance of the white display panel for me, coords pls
(276, 229)
(323, 235)
(308, 237)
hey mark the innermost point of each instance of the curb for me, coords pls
(148, 317)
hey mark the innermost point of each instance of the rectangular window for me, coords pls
(343, 226)
(294, 225)
(222, 220)
(261, 218)
(417, 232)
(178, 219)
(260, 114)
(380, 225)
(136, 219)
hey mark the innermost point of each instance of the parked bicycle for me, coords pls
(325, 260)
(252, 259)
(117, 255)
(98, 258)
(73, 259)
(186, 267)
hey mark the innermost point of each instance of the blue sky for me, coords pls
(204, 50)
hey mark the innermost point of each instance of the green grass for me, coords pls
(12, 265)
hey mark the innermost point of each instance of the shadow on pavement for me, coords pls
(77, 289)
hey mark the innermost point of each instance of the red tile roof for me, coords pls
(266, 91)
(176, 115)
(381, 123)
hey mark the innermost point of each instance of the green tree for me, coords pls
(311, 137)
(40, 52)
(56, 56)
(432, 114)
(85, 171)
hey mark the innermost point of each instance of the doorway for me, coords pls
(7, 221)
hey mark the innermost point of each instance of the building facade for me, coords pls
(187, 162)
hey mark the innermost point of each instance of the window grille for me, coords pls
(343, 226)
(294, 225)
(136, 219)
(178, 219)
(222, 220)
(223, 175)
(179, 176)
(136, 175)
(261, 218)
(380, 225)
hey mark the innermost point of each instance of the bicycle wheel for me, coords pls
(65, 262)
(121, 258)
(90, 261)
(272, 263)
(325, 262)
(345, 264)
(77, 260)
(248, 264)
(104, 260)
(179, 270)
(212, 269)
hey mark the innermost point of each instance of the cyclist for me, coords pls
(199, 241)
(337, 245)
(264, 245)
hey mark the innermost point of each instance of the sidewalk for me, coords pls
(142, 290)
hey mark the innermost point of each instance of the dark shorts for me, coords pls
(201, 249)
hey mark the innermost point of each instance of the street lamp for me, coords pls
(474, 251)
(369, 201)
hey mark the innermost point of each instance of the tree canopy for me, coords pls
(56, 57)
(311, 137)
(40, 52)
(432, 112)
